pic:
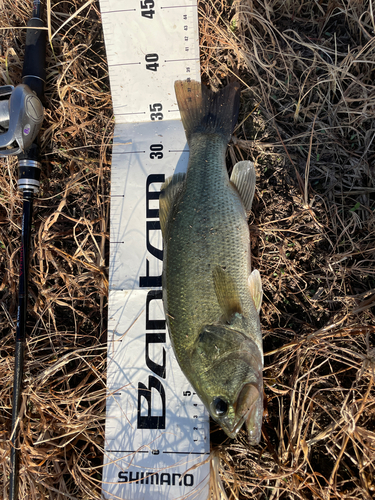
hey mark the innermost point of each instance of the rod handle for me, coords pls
(34, 71)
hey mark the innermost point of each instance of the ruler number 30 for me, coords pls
(156, 151)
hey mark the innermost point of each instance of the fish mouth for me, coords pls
(249, 409)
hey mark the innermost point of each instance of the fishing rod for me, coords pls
(21, 116)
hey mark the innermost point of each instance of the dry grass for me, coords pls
(307, 120)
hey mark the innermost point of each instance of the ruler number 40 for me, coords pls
(152, 59)
(146, 9)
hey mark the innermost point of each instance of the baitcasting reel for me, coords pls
(21, 116)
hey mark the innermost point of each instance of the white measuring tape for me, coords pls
(157, 429)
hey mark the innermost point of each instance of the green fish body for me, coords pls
(211, 298)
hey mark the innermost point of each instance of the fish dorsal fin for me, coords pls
(226, 293)
(168, 193)
(244, 178)
(255, 287)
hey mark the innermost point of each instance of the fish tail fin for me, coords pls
(206, 112)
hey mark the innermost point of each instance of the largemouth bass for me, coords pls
(211, 298)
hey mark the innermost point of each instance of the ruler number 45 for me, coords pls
(146, 9)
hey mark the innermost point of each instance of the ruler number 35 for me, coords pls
(155, 110)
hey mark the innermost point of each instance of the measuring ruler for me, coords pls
(157, 429)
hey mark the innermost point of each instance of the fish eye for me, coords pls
(219, 407)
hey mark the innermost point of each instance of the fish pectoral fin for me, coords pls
(255, 286)
(168, 194)
(244, 178)
(226, 293)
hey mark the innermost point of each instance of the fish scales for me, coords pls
(209, 228)
(211, 313)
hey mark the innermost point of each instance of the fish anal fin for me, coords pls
(255, 288)
(168, 194)
(244, 178)
(226, 293)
